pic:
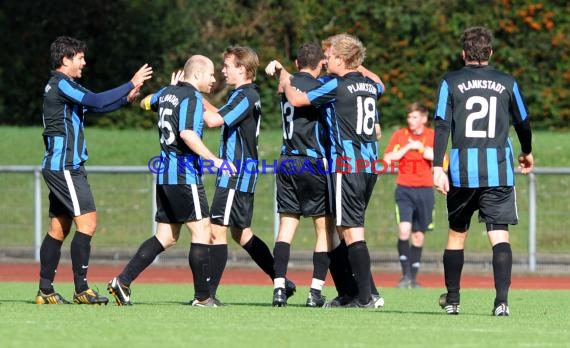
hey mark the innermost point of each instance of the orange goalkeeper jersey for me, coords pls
(413, 169)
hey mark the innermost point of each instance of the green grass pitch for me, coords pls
(159, 318)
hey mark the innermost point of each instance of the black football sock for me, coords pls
(50, 253)
(415, 256)
(359, 259)
(373, 289)
(80, 251)
(452, 266)
(349, 279)
(341, 271)
(502, 266)
(404, 254)
(218, 260)
(199, 260)
(281, 253)
(261, 255)
(320, 265)
(337, 269)
(144, 256)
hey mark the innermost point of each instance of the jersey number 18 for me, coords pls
(366, 114)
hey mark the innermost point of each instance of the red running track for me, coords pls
(99, 273)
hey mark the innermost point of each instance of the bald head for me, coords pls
(199, 71)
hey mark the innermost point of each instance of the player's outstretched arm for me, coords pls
(293, 95)
(145, 102)
(143, 74)
(274, 68)
(367, 73)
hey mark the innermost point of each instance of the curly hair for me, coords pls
(476, 43)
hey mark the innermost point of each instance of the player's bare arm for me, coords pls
(194, 142)
(367, 73)
(213, 119)
(293, 95)
(209, 106)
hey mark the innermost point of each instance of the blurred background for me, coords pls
(410, 44)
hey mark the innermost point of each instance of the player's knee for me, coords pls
(418, 239)
(87, 227)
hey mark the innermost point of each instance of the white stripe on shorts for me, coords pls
(338, 199)
(329, 186)
(228, 208)
(72, 193)
(196, 200)
(516, 208)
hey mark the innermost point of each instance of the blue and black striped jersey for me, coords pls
(350, 120)
(480, 103)
(239, 135)
(179, 108)
(65, 104)
(304, 129)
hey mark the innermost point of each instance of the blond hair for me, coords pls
(347, 47)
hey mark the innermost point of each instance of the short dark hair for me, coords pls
(65, 47)
(309, 55)
(476, 43)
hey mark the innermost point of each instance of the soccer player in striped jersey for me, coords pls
(232, 206)
(70, 199)
(180, 195)
(477, 104)
(353, 146)
(302, 185)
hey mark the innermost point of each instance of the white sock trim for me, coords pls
(317, 284)
(278, 283)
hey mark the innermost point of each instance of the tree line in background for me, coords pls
(410, 44)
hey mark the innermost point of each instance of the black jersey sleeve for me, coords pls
(89, 99)
(442, 128)
(524, 134)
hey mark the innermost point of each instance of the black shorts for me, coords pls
(302, 186)
(415, 205)
(69, 192)
(180, 203)
(352, 193)
(496, 205)
(232, 208)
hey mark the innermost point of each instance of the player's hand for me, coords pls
(440, 180)
(227, 167)
(133, 94)
(176, 77)
(526, 162)
(274, 67)
(415, 145)
(143, 74)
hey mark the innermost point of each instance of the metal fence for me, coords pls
(15, 190)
